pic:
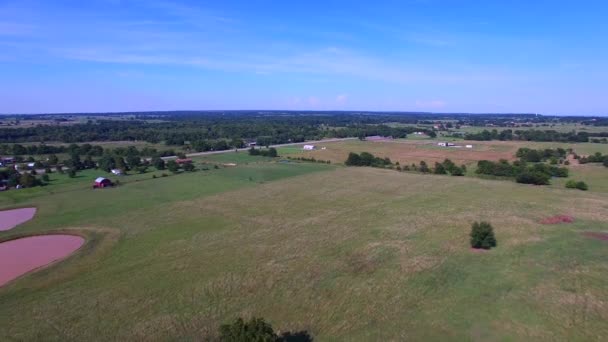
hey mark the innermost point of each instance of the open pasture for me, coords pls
(344, 253)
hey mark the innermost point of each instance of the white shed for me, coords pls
(308, 147)
(117, 172)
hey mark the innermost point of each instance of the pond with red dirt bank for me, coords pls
(9, 219)
(23, 255)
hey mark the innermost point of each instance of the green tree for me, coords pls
(158, 163)
(424, 168)
(189, 167)
(482, 235)
(353, 160)
(71, 173)
(45, 178)
(173, 166)
(439, 169)
(272, 152)
(255, 330)
(27, 180)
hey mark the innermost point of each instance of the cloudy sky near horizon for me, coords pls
(418, 55)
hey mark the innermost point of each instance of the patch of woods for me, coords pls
(368, 159)
(529, 169)
(269, 152)
(214, 131)
(532, 135)
(594, 158)
(258, 330)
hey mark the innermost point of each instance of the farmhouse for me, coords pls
(101, 182)
(446, 144)
(308, 147)
(117, 172)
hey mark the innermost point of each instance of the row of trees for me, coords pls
(529, 135)
(539, 174)
(367, 159)
(212, 130)
(270, 152)
(534, 156)
(82, 150)
(594, 158)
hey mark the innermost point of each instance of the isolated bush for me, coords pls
(572, 184)
(536, 178)
(255, 329)
(45, 177)
(189, 167)
(482, 235)
(72, 173)
(582, 186)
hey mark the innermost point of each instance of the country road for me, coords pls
(198, 154)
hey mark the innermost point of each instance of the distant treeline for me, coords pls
(533, 135)
(210, 132)
(82, 150)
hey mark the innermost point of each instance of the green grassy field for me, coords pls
(352, 254)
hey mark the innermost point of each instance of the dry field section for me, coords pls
(353, 254)
(414, 151)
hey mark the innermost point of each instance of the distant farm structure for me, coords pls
(308, 147)
(101, 182)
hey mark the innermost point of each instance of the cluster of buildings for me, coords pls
(449, 144)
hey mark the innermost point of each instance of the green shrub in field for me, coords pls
(572, 184)
(240, 331)
(482, 235)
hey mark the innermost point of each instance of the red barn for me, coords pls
(101, 182)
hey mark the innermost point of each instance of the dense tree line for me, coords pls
(529, 135)
(82, 150)
(539, 174)
(212, 131)
(597, 157)
(367, 159)
(271, 152)
(535, 156)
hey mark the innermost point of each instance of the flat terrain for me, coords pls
(345, 253)
(413, 151)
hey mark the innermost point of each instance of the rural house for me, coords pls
(308, 147)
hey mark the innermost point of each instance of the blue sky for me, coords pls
(420, 55)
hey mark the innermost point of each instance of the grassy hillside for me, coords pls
(345, 253)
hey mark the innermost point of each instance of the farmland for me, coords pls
(344, 253)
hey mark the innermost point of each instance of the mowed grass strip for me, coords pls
(347, 254)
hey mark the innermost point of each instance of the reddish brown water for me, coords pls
(20, 256)
(11, 218)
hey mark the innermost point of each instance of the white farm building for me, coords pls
(308, 147)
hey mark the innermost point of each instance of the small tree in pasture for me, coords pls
(482, 235)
